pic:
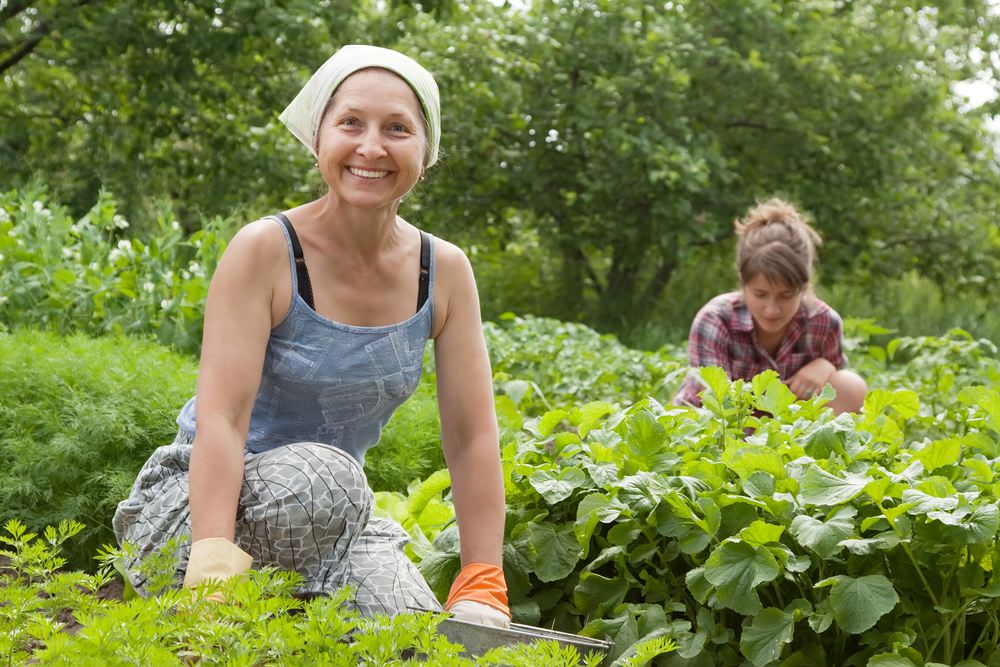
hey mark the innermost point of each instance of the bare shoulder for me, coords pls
(455, 287)
(260, 239)
(450, 258)
(255, 266)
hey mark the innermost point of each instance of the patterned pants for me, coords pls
(304, 507)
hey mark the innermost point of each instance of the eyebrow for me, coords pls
(393, 114)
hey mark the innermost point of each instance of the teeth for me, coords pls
(364, 173)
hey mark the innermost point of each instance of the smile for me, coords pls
(365, 173)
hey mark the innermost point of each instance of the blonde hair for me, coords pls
(776, 241)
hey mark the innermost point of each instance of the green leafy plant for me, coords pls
(91, 275)
(262, 623)
(761, 528)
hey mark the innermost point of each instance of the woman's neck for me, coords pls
(771, 342)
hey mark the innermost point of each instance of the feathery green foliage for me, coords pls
(261, 624)
(78, 417)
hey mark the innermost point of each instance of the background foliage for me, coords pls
(595, 152)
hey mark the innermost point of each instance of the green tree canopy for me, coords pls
(619, 136)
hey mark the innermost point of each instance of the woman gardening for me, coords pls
(774, 321)
(315, 327)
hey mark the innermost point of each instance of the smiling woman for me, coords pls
(315, 329)
(774, 321)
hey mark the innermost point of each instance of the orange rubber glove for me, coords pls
(481, 583)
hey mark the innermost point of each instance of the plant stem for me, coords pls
(982, 635)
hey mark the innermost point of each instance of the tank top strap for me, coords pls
(291, 257)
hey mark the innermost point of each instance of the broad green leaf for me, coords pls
(771, 394)
(982, 443)
(750, 459)
(645, 439)
(877, 488)
(818, 487)
(699, 586)
(760, 533)
(508, 415)
(979, 525)
(715, 379)
(904, 402)
(526, 611)
(427, 490)
(940, 453)
(922, 503)
(643, 491)
(555, 487)
(985, 399)
(736, 569)
(763, 640)
(593, 509)
(588, 416)
(858, 602)
(825, 441)
(516, 390)
(978, 470)
(824, 537)
(549, 421)
(759, 485)
(552, 550)
(891, 660)
(864, 546)
(822, 617)
(623, 534)
(599, 594)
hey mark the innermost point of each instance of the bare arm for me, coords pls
(238, 320)
(469, 433)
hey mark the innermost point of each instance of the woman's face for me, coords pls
(372, 140)
(772, 304)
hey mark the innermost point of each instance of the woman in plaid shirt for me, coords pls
(774, 321)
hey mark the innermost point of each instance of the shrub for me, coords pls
(88, 275)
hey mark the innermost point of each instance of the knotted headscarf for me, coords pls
(302, 117)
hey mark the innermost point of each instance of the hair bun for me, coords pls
(776, 240)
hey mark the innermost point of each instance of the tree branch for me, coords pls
(26, 47)
(754, 125)
(33, 39)
(14, 8)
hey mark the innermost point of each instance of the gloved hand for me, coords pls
(471, 611)
(215, 558)
(479, 595)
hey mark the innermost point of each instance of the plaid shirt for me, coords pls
(722, 335)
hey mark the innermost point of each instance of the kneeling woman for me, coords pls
(315, 328)
(774, 321)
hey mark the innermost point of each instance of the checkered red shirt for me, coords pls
(722, 335)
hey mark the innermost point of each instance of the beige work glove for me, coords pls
(471, 611)
(215, 558)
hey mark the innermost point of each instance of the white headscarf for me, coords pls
(303, 115)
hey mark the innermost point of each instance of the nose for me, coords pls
(772, 309)
(370, 145)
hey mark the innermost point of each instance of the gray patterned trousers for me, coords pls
(304, 507)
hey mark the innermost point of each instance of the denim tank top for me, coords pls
(334, 383)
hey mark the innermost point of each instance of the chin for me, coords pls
(775, 327)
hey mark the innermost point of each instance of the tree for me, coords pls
(628, 136)
(170, 98)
